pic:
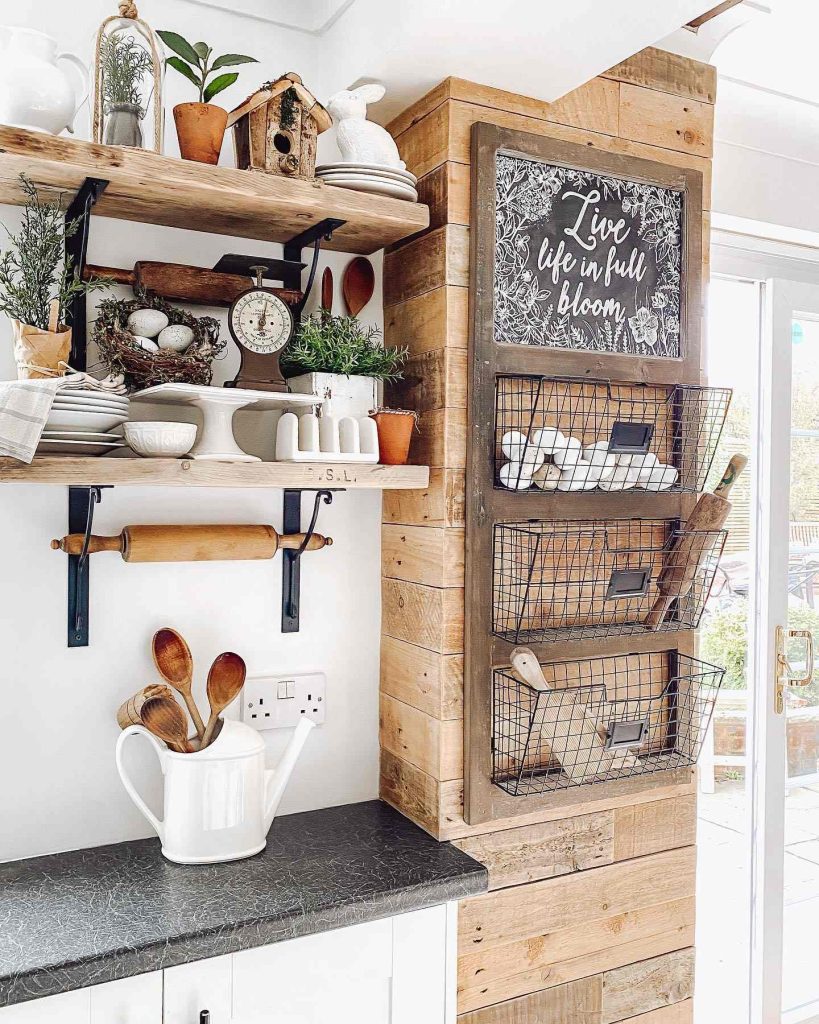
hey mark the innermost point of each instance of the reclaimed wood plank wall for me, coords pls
(590, 914)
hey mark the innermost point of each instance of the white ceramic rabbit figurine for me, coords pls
(362, 141)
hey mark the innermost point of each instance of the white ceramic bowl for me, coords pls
(157, 440)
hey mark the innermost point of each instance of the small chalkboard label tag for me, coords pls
(624, 735)
(627, 583)
(630, 437)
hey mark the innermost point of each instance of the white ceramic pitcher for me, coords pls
(220, 801)
(35, 92)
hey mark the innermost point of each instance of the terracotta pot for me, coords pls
(394, 434)
(200, 128)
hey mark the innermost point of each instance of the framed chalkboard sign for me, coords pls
(591, 252)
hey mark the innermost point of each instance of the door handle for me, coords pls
(784, 673)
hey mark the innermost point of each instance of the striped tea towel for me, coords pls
(24, 409)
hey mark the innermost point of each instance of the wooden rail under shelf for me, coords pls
(177, 193)
(119, 472)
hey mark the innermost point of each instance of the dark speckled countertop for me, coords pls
(90, 916)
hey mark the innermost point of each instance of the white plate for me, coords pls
(393, 172)
(81, 435)
(77, 447)
(69, 419)
(98, 396)
(376, 186)
(85, 403)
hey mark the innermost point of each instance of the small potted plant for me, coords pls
(340, 358)
(123, 66)
(37, 284)
(201, 126)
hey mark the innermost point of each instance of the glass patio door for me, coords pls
(783, 748)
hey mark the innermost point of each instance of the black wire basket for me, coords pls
(584, 579)
(571, 434)
(601, 719)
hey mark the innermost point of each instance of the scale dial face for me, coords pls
(260, 321)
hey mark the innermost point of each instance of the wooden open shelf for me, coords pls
(176, 193)
(122, 472)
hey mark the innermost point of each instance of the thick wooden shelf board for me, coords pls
(121, 472)
(221, 200)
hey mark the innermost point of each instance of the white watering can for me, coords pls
(35, 92)
(220, 801)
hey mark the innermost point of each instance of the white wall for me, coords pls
(58, 784)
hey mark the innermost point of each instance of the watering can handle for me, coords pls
(86, 84)
(138, 730)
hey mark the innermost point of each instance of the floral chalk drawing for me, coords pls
(585, 261)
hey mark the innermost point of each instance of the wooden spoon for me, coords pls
(327, 290)
(358, 284)
(174, 660)
(164, 718)
(225, 679)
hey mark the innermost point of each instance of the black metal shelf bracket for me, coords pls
(76, 249)
(314, 236)
(81, 504)
(291, 568)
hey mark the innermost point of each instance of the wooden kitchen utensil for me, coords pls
(192, 543)
(183, 283)
(327, 290)
(690, 549)
(165, 718)
(129, 712)
(563, 724)
(358, 284)
(174, 660)
(225, 680)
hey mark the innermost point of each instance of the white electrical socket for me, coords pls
(280, 702)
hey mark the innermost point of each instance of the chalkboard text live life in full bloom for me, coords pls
(585, 261)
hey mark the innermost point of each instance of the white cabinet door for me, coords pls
(135, 1000)
(192, 989)
(419, 978)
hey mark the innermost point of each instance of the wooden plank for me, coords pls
(431, 617)
(439, 504)
(124, 472)
(643, 829)
(431, 381)
(673, 122)
(668, 72)
(578, 1002)
(434, 746)
(431, 682)
(423, 554)
(425, 145)
(410, 791)
(415, 113)
(157, 189)
(558, 973)
(640, 987)
(715, 12)
(435, 319)
(676, 1013)
(515, 966)
(440, 439)
(543, 850)
(508, 915)
(446, 192)
(435, 259)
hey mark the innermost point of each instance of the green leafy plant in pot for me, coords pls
(201, 126)
(340, 358)
(37, 285)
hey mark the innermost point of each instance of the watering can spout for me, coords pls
(276, 779)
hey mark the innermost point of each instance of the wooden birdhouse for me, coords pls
(275, 129)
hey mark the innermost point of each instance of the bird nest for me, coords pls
(121, 353)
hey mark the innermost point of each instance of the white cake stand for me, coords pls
(215, 441)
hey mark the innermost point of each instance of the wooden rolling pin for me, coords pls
(191, 543)
(688, 553)
(184, 283)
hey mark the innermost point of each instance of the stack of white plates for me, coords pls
(84, 423)
(386, 181)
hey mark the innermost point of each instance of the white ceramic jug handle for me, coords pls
(86, 84)
(137, 730)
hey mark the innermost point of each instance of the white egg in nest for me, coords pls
(146, 343)
(176, 337)
(147, 323)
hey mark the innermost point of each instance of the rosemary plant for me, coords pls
(34, 269)
(124, 64)
(342, 344)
